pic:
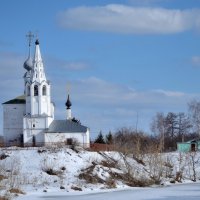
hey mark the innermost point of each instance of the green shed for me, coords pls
(192, 145)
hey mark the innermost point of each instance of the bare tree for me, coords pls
(184, 126)
(158, 128)
(170, 129)
(194, 113)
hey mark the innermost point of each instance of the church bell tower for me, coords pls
(39, 109)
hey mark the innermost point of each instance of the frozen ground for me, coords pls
(175, 192)
(43, 173)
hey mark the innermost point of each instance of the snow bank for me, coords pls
(42, 170)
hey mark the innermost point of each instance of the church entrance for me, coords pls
(21, 140)
(34, 141)
(193, 147)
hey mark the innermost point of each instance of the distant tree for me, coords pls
(184, 126)
(194, 113)
(171, 128)
(76, 120)
(158, 127)
(171, 125)
(100, 138)
(109, 138)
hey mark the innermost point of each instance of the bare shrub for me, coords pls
(88, 176)
(42, 150)
(4, 198)
(179, 176)
(3, 156)
(76, 188)
(49, 166)
(13, 167)
(16, 191)
(2, 177)
(182, 164)
(110, 182)
(108, 164)
(193, 162)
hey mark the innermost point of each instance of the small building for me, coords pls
(191, 145)
(29, 119)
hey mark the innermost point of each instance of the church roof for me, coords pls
(17, 100)
(66, 126)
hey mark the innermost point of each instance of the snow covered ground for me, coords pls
(175, 192)
(43, 173)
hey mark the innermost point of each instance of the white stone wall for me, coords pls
(13, 121)
(82, 138)
(35, 126)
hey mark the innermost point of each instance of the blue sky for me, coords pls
(122, 59)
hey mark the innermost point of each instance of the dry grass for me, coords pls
(76, 188)
(108, 164)
(4, 198)
(3, 156)
(48, 165)
(111, 183)
(16, 191)
(52, 172)
(2, 177)
(88, 176)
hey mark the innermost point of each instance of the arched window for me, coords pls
(44, 90)
(35, 90)
(28, 90)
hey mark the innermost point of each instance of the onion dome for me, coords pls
(68, 103)
(37, 42)
(28, 64)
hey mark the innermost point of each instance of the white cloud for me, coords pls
(170, 93)
(101, 93)
(146, 2)
(104, 105)
(129, 20)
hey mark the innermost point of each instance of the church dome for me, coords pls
(28, 64)
(68, 103)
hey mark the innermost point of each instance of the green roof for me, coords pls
(17, 100)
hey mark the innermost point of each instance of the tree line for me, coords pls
(167, 129)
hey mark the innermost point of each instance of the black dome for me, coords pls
(28, 64)
(68, 103)
(37, 42)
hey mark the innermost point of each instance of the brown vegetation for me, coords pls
(16, 191)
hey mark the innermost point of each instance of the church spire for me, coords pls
(38, 68)
(37, 57)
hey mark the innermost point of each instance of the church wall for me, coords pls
(81, 138)
(35, 126)
(13, 121)
(28, 105)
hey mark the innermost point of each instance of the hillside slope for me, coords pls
(66, 170)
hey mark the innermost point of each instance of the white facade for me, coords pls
(83, 139)
(27, 119)
(13, 122)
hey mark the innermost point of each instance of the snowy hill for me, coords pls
(63, 170)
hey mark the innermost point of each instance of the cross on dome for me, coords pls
(29, 35)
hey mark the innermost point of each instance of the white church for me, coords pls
(29, 119)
